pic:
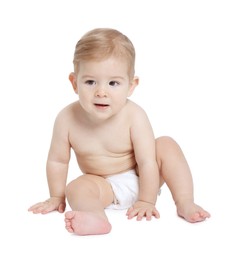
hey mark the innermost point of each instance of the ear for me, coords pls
(133, 85)
(72, 79)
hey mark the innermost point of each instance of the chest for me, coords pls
(110, 139)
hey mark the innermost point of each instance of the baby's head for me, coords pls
(102, 43)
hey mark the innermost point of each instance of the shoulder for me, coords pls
(66, 114)
(68, 110)
(134, 107)
(138, 118)
(135, 111)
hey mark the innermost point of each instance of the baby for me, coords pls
(123, 165)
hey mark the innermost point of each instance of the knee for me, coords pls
(161, 143)
(165, 141)
(166, 146)
(73, 187)
(69, 189)
(82, 186)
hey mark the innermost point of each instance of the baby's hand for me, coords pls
(53, 203)
(142, 209)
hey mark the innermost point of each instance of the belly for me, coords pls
(106, 165)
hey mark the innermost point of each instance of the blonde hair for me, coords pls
(100, 44)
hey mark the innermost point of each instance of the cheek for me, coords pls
(84, 92)
(120, 99)
(83, 96)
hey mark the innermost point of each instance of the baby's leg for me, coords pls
(88, 195)
(174, 170)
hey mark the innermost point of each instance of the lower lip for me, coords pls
(102, 108)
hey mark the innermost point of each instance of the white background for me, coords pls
(189, 64)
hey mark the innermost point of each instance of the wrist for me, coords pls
(146, 201)
(57, 197)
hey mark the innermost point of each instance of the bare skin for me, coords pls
(86, 223)
(110, 134)
(175, 172)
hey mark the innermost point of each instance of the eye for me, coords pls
(114, 83)
(90, 82)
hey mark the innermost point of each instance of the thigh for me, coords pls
(97, 186)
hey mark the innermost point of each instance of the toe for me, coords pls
(69, 214)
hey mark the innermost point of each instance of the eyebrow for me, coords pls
(118, 77)
(87, 76)
(112, 78)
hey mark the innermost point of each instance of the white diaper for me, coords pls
(126, 188)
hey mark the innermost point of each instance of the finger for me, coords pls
(35, 206)
(38, 210)
(132, 213)
(148, 215)
(44, 208)
(140, 215)
(156, 214)
(129, 211)
(61, 208)
(48, 207)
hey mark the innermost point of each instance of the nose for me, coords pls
(101, 91)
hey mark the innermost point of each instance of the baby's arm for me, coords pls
(57, 169)
(145, 152)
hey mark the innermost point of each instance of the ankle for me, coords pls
(184, 200)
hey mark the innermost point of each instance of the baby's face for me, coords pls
(103, 86)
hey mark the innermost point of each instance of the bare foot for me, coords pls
(86, 223)
(192, 212)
